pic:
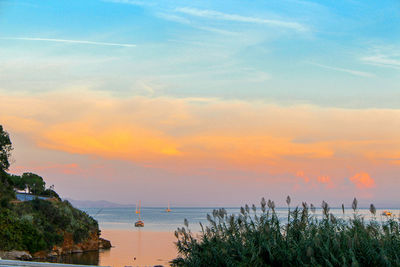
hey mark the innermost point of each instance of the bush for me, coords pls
(43, 223)
(6, 189)
(19, 234)
(262, 239)
(50, 193)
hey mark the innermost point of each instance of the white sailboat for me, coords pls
(139, 222)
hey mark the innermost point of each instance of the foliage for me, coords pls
(17, 181)
(6, 190)
(52, 219)
(5, 149)
(19, 234)
(33, 182)
(50, 193)
(262, 239)
(38, 224)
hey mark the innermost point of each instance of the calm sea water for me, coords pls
(154, 243)
(157, 219)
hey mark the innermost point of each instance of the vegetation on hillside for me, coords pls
(38, 224)
(260, 238)
(33, 183)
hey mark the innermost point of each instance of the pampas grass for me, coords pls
(259, 238)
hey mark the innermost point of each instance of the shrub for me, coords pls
(6, 189)
(43, 223)
(19, 234)
(262, 239)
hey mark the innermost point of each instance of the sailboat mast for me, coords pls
(139, 209)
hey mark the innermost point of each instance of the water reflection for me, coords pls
(138, 247)
(135, 247)
(87, 258)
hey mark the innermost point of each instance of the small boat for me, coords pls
(139, 222)
(168, 209)
(387, 213)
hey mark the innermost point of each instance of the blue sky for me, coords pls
(328, 53)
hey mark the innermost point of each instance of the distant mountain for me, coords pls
(95, 204)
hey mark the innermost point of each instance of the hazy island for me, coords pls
(38, 224)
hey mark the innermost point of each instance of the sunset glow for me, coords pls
(246, 102)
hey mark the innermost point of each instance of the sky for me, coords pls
(204, 103)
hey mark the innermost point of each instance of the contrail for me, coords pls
(238, 18)
(66, 41)
(353, 72)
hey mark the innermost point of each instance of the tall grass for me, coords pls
(260, 238)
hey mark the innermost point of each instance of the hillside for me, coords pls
(43, 227)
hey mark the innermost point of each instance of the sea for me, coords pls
(154, 244)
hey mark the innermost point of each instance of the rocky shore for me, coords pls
(93, 243)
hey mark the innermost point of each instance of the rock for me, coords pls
(40, 255)
(16, 255)
(93, 243)
(104, 244)
(52, 254)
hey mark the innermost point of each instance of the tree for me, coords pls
(17, 181)
(5, 149)
(34, 183)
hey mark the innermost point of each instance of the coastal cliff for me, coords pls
(68, 246)
(39, 224)
(42, 229)
(93, 243)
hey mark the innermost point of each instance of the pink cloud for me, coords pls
(363, 180)
(325, 179)
(71, 168)
(302, 175)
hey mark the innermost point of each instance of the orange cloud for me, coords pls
(362, 180)
(302, 175)
(324, 179)
(129, 142)
(177, 133)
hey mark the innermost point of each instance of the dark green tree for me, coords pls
(34, 183)
(17, 182)
(5, 149)
(6, 189)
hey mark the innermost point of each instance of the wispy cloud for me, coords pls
(67, 41)
(216, 30)
(212, 14)
(349, 71)
(172, 17)
(131, 2)
(382, 61)
(182, 20)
